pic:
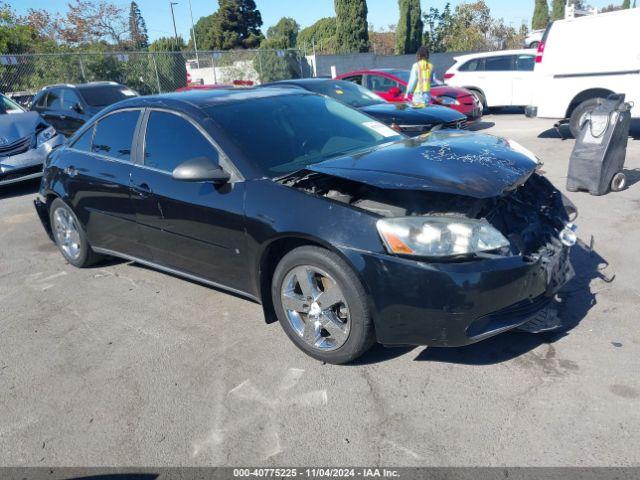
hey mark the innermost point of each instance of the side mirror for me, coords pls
(394, 91)
(201, 169)
(78, 108)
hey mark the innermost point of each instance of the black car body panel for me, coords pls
(225, 235)
(462, 163)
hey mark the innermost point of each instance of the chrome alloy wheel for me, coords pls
(316, 307)
(66, 233)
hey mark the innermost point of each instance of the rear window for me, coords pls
(105, 95)
(287, 133)
(474, 65)
(114, 135)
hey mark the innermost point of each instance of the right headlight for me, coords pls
(444, 236)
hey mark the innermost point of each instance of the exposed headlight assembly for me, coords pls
(46, 135)
(439, 236)
(444, 100)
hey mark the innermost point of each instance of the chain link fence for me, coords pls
(148, 72)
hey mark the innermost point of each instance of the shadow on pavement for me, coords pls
(481, 125)
(19, 189)
(633, 176)
(576, 299)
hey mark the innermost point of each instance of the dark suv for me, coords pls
(67, 107)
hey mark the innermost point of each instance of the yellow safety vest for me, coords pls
(425, 70)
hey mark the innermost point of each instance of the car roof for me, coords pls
(497, 53)
(201, 99)
(83, 86)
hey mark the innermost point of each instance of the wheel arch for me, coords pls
(479, 90)
(271, 255)
(586, 95)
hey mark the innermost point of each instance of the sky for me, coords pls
(382, 13)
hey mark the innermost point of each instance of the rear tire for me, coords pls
(327, 316)
(579, 114)
(534, 45)
(70, 237)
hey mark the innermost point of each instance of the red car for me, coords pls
(391, 84)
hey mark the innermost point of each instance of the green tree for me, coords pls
(469, 28)
(137, 28)
(557, 9)
(321, 35)
(236, 24)
(352, 32)
(540, 15)
(438, 24)
(14, 36)
(626, 4)
(172, 65)
(410, 27)
(283, 34)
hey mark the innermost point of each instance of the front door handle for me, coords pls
(142, 190)
(71, 171)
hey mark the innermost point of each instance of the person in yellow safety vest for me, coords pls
(420, 80)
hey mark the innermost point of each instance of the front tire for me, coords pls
(69, 236)
(322, 306)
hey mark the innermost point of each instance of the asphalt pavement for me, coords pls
(123, 365)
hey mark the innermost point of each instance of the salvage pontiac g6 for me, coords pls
(345, 231)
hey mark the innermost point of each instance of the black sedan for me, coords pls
(345, 231)
(67, 107)
(402, 117)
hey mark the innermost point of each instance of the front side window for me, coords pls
(525, 63)
(114, 135)
(69, 99)
(286, 133)
(171, 140)
(498, 64)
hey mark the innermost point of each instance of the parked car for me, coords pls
(572, 78)
(25, 142)
(402, 117)
(216, 86)
(497, 79)
(533, 39)
(346, 231)
(67, 107)
(391, 84)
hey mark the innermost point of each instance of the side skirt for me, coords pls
(178, 273)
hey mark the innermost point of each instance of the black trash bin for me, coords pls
(601, 147)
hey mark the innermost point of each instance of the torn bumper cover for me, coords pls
(455, 304)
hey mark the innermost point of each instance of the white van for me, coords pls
(571, 74)
(497, 79)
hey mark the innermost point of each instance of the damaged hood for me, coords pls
(15, 126)
(460, 163)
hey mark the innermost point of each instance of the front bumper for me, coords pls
(27, 165)
(455, 304)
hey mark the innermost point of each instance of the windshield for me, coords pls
(9, 106)
(283, 134)
(105, 95)
(346, 92)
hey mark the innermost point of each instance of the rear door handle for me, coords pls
(71, 171)
(142, 190)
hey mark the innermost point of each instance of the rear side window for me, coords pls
(525, 63)
(498, 64)
(354, 79)
(114, 135)
(53, 99)
(84, 141)
(171, 140)
(474, 65)
(378, 83)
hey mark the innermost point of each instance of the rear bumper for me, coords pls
(43, 214)
(455, 304)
